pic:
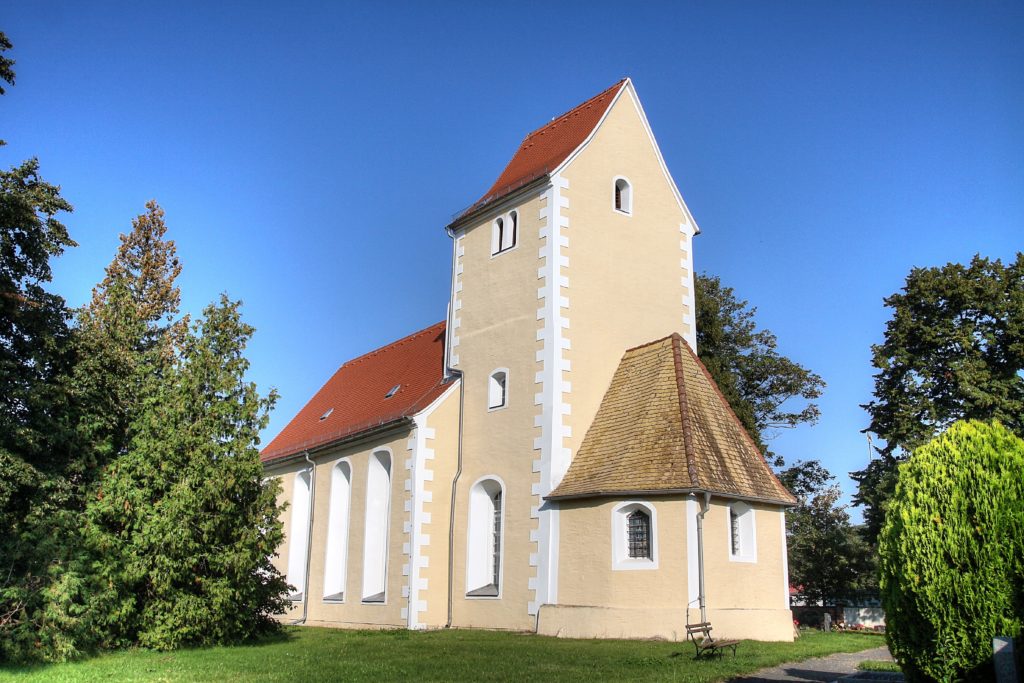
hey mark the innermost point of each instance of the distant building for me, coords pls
(540, 460)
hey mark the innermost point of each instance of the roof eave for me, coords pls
(670, 492)
(498, 201)
(342, 441)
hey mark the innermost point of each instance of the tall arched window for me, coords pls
(336, 562)
(298, 536)
(497, 389)
(623, 196)
(484, 546)
(375, 543)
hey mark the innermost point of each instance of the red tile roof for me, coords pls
(545, 148)
(356, 394)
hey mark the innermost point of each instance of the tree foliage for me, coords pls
(828, 560)
(757, 381)
(952, 552)
(953, 350)
(183, 520)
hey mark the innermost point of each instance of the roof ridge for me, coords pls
(659, 340)
(684, 410)
(582, 105)
(736, 421)
(389, 345)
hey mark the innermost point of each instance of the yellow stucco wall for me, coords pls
(497, 329)
(625, 271)
(744, 599)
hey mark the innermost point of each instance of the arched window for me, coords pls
(638, 534)
(623, 200)
(634, 536)
(298, 536)
(497, 389)
(336, 563)
(497, 235)
(483, 551)
(742, 533)
(512, 232)
(375, 543)
(504, 232)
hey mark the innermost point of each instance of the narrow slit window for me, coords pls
(734, 529)
(392, 391)
(497, 538)
(509, 239)
(498, 238)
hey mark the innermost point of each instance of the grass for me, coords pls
(876, 665)
(313, 654)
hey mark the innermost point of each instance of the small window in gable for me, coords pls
(623, 200)
(497, 389)
(634, 536)
(742, 533)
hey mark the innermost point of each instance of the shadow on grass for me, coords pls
(282, 635)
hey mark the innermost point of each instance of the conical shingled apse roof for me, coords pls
(664, 427)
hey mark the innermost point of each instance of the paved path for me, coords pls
(826, 669)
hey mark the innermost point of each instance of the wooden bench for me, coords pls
(707, 644)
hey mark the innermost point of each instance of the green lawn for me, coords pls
(311, 654)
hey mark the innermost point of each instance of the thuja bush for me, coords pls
(952, 553)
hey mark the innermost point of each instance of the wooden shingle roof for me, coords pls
(664, 427)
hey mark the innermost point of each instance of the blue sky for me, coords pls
(308, 156)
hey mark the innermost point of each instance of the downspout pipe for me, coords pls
(452, 372)
(704, 505)
(309, 538)
(455, 488)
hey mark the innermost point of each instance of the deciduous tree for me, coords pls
(953, 350)
(744, 361)
(828, 560)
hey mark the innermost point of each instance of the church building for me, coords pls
(552, 457)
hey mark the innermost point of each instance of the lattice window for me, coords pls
(497, 537)
(638, 535)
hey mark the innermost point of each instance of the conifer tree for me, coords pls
(127, 336)
(184, 518)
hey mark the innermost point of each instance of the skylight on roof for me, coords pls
(327, 414)
(392, 391)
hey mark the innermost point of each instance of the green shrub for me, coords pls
(952, 552)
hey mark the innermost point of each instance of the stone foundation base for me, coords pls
(583, 621)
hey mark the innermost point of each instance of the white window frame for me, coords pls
(339, 529)
(628, 203)
(298, 534)
(621, 561)
(373, 555)
(748, 531)
(480, 562)
(510, 232)
(491, 407)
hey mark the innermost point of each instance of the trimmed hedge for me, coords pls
(952, 553)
